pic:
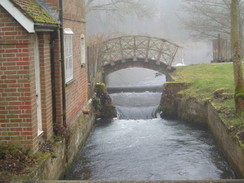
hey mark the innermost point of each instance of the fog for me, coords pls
(165, 23)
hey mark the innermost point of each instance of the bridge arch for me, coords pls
(137, 51)
(140, 63)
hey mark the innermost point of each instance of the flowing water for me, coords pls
(141, 146)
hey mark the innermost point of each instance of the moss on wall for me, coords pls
(103, 103)
(34, 11)
(239, 92)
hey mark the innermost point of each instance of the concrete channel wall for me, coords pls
(175, 105)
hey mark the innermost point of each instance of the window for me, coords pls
(83, 50)
(68, 54)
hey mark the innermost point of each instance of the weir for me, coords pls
(150, 88)
(136, 105)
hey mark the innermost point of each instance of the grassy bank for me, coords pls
(207, 78)
(204, 81)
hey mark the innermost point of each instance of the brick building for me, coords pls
(43, 73)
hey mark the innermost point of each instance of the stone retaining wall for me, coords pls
(64, 151)
(229, 144)
(175, 105)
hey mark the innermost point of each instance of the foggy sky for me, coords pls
(164, 24)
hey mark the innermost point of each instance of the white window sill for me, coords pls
(39, 133)
(69, 82)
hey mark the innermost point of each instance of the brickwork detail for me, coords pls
(17, 119)
(46, 84)
(76, 92)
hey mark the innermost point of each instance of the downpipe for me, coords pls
(62, 61)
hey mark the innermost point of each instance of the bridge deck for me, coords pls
(138, 47)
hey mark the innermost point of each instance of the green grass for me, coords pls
(207, 78)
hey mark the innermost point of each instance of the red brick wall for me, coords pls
(58, 86)
(76, 92)
(74, 10)
(54, 4)
(18, 118)
(46, 84)
(17, 89)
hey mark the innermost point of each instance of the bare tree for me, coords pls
(120, 8)
(235, 44)
(208, 18)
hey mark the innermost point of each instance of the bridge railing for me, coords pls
(138, 47)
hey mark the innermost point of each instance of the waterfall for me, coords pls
(136, 105)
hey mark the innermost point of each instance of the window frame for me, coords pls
(68, 55)
(83, 50)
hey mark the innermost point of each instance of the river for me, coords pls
(139, 145)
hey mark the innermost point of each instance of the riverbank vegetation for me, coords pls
(213, 83)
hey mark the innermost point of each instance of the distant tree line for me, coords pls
(119, 8)
(209, 18)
